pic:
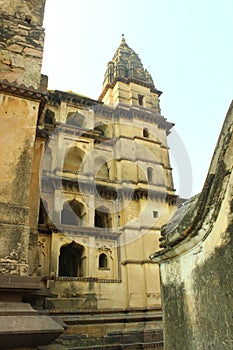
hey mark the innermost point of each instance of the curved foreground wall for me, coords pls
(196, 263)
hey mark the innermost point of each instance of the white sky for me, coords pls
(186, 45)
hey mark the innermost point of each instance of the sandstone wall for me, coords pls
(17, 133)
(21, 44)
(196, 262)
(21, 50)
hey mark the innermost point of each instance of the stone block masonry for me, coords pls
(21, 42)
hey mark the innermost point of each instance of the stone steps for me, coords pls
(135, 346)
(121, 341)
(109, 329)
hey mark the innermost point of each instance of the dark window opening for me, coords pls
(155, 214)
(43, 216)
(145, 132)
(102, 218)
(49, 117)
(149, 174)
(71, 262)
(103, 261)
(140, 100)
(98, 220)
(99, 130)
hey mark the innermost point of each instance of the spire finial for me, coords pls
(123, 38)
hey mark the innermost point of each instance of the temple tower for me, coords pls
(106, 190)
(127, 81)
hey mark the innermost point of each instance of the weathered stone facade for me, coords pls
(22, 41)
(109, 166)
(196, 260)
(22, 32)
(21, 106)
(85, 187)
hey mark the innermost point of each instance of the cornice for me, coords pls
(109, 112)
(82, 279)
(128, 81)
(28, 93)
(50, 183)
(100, 233)
(142, 113)
(55, 98)
(22, 91)
(137, 262)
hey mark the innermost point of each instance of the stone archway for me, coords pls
(71, 262)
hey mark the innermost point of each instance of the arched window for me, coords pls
(72, 213)
(140, 100)
(71, 260)
(103, 130)
(102, 218)
(103, 261)
(73, 160)
(145, 132)
(100, 129)
(149, 174)
(101, 168)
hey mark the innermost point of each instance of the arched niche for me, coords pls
(103, 261)
(73, 159)
(101, 169)
(102, 129)
(145, 132)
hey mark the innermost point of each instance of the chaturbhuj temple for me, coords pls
(86, 186)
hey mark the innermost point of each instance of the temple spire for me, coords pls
(125, 72)
(126, 64)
